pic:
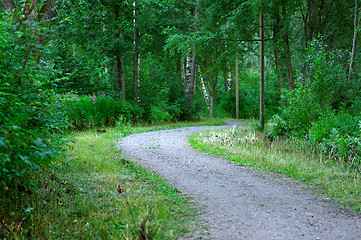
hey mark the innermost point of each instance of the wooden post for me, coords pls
(261, 95)
(237, 88)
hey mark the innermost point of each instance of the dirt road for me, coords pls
(239, 202)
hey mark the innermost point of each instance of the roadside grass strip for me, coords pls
(296, 159)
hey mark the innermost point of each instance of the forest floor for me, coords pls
(238, 202)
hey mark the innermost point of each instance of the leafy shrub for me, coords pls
(297, 115)
(94, 111)
(318, 111)
(318, 96)
(31, 120)
(339, 137)
(327, 80)
(159, 115)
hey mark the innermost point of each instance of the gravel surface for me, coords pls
(239, 202)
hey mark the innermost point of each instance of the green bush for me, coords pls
(31, 119)
(320, 95)
(327, 80)
(320, 110)
(296, 115)
(136, 112)
(339, 136)
(159, 115)
(95, 111)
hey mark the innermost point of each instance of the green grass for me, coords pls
(93, 193)
(297, 159)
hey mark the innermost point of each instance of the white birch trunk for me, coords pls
(188, 72)
(356, 26)
(204, 90)
(229, 78)
(183, 75)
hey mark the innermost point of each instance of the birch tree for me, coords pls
(354, 41)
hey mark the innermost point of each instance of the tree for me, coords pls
(261, 70)
(356, 27)
(136, 58)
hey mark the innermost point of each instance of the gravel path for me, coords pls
(239, 202)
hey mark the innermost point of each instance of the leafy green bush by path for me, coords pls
(322, 109)
(94, 111)
(31, 119)
(339, 136)
(297, 115)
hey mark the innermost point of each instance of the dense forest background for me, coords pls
(78, 64)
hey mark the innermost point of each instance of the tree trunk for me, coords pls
(120, 75)
(261, 97)
(286, 42)
(291, 84)
(192, 78)
(276, 32)
(136, 59)
(237, 88)
(34, 10)
(229, 81)
(354, 41)
(136, 64)
(119, 56)
(188, 73)
(204, 90)
(211, 105)
(312, 6)
(194, 59)
(210, 83)
(183, 75)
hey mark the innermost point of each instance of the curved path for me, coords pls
(239, 202)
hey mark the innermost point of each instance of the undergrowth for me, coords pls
(295, 158)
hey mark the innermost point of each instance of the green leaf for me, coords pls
(2, 142)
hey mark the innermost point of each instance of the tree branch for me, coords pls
(241, 40)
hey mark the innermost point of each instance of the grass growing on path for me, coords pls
(296, 159)
(92, 193)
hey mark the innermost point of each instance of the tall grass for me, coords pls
(90, 111)
(295, 158)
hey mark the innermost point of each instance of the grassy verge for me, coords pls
(92, 193)
(296, 159)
